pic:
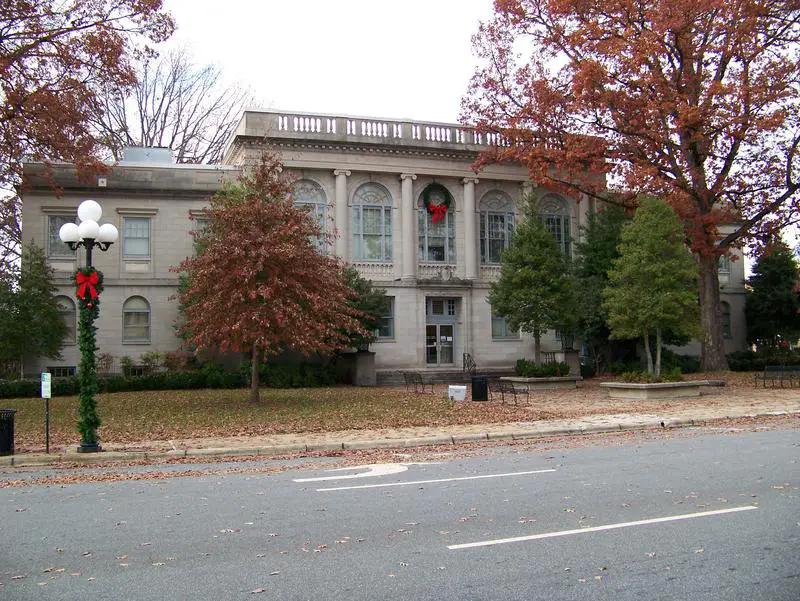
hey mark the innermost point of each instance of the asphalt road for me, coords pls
(700, 518)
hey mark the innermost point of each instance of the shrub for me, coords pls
(151, 361)
(687, 364)
(757, 360)
(642, 377)
(527, 369)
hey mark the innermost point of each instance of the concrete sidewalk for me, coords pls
(400, 438)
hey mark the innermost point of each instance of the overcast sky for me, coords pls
(409, 59)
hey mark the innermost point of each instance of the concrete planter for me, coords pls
(660, 390)
(534, 384)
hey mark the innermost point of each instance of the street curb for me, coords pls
(38, 459)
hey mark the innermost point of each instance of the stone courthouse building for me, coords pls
(370, 181)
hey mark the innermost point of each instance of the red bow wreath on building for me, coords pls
(90, 285)
(439, 210)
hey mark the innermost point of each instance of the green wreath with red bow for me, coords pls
(437, 211)
(89, 284)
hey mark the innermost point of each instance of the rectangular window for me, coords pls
(496, 231)
(62, 371)
(385, 324)
(55, 247)
(724, 264)
(135, 326)
(559, 226)
(500, 328)
(372, 233)
(136, 237)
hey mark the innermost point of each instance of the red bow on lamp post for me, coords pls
(90, 284)
(87, 281)
(437, 212)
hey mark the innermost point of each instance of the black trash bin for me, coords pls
(7, 431)
(480, 387)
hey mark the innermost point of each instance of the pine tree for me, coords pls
(772, 307)
(653, 283)
(535, 291)
(595, 255)
(31, 322)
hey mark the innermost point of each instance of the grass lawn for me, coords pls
(166, 415)
(136, 417)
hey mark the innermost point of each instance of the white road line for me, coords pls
(672, 518)
(432, 481)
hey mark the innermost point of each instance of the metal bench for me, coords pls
(414, 382)
(778, 374)
(506, 390)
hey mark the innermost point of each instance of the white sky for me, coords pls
(374, 58)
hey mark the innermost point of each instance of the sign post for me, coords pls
(46, 382)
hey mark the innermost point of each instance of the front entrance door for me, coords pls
(439, 344)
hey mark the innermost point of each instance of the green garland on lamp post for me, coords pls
(89, 235)
(90, 285)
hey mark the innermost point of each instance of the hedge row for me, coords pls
(278, 375)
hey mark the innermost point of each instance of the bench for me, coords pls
(498, 388)
(413, 381)
(779, 374)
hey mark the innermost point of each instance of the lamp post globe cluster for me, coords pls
(88, 234)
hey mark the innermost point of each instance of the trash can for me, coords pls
(7, 431)
(480, 387)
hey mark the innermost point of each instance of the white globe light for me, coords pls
(69, 232)
(89, 210)
(89, 229)
(108, 233)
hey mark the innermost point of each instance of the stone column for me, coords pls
(407, 213)
(340, 214)
(470, 233)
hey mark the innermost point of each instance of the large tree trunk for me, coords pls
(712, 347)
(255, 364)
(537, 348)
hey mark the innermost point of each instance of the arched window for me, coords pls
(372, 223)
(310, 195)
(497, 225)
(437, 240)
(66, 307)
(136, 320)
(555, 214)
(725, 310)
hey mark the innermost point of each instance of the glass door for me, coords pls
(439, 344)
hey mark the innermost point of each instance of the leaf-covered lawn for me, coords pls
(133, 417)
(165, 415)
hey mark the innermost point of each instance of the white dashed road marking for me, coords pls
(672, 518)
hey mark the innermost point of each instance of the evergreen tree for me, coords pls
(653, 283)
(369, 302)
(30, 323)
(535, 291)
(595, 256)
(772, 305)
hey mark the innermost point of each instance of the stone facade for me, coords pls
(364, 179)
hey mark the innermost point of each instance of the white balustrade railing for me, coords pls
(374, 271)
(489, 273)
(354, 127)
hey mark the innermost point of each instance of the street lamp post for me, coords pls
(90, 283)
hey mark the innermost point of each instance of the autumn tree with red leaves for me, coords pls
(693, 101)
(55, 58)
(258, 282)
